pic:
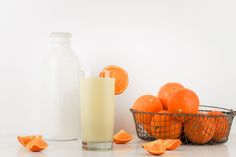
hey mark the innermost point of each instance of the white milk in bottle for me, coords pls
(60, 119)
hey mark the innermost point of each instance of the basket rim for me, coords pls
(228, 111)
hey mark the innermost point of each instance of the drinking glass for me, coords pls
(97, 107)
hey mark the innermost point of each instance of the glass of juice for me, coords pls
(97, 105)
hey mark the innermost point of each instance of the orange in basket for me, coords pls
(222, 126)
(165, 92)
(183, 101)
(120, 75)
(200, 129)
(164, 126)
(146, 103)
(122, 137)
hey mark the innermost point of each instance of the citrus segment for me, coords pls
(155, 147)
(171, 144)
(122, 137)
(36, 145)
(26, 139)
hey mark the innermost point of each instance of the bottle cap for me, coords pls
(60, 35)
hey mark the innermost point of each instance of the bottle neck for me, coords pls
(61, 44)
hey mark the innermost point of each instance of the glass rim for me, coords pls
(89, 74)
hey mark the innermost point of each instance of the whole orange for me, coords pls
(165, 92)
(183, 101)
(200, 129)
(145, 105)
(222, 126)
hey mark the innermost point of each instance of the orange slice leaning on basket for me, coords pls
(120, 75)
(122, 137)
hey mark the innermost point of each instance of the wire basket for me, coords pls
(208, 126)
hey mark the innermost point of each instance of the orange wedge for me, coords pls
(172, 144)
(155, 147)
(26, 139)
(36, 145)
(120, 75)
(122, 137)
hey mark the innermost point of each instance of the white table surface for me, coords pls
(9, 147)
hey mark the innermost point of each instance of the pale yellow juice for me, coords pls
(97, 107)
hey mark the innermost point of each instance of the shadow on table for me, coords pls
(206, 150)
(22, 152)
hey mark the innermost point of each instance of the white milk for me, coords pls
(60, 119)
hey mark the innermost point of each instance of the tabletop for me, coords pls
(9, 147)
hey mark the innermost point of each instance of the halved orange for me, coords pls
(172, 144)
(36, 145)
(26, 139)
(155, 147)
(122, 137)
(120, 75)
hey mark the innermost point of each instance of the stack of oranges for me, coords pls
(178, 113)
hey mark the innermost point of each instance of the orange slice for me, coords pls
(120, 75)
(36, 145)
(122, 137)
(26, 139)
(155, 147)
(172, 144)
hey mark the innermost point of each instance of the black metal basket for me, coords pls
(211, 125)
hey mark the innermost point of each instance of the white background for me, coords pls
(156, 41)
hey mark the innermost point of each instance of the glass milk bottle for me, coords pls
(60, 118)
